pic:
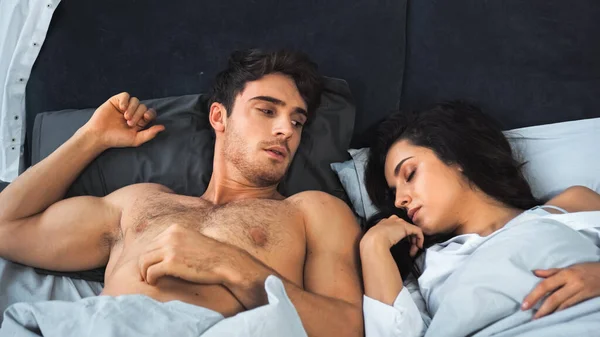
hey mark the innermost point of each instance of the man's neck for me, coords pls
(222, 190)
(228, 184)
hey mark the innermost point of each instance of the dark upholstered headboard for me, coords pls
(525, 62)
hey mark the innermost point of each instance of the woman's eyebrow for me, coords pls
(399, 166)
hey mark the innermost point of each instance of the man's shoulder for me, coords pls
(316, 198)
(319, 206)
(147, 187)
(130, 191)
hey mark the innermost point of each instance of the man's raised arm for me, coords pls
(34, 224)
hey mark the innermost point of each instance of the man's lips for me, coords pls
(277, 152)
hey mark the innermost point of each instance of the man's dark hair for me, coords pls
(458, 133)
(252, 64)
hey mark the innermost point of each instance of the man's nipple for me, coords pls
(259, 236)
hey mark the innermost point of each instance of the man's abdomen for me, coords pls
(127, 280)
(123, 277)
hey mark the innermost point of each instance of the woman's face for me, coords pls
(432, 192)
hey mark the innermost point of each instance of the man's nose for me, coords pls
(283, 127)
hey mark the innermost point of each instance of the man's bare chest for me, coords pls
(257, 225)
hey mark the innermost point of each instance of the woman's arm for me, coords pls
(566, 287)
(389, 308)
(381, 276)
(412, 285)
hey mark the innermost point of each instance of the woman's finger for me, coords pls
(420, 238)
(413, 250)
(578, 297)
(554, 301)
(399, 229)
(546, 286)
(414, 230)
(546, 272)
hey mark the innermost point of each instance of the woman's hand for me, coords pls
(566, 286)
(390, 231)
(381, 276)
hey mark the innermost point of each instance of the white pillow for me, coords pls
(558, 156)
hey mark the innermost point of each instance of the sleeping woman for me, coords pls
(462, 247)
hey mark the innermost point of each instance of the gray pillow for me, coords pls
(181, 156)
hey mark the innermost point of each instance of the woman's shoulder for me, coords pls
(576, 199)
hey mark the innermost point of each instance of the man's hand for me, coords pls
(186, 254)
(568, 286)
(120, 122)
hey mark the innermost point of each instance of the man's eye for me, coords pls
(267, 111)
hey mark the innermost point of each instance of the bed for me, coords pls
(532, 66)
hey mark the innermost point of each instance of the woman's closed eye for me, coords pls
(411, 175)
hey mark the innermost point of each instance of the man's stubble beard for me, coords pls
(239, 154)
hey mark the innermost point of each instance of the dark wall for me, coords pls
(154, 48)
(525, 62)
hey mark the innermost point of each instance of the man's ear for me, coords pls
(217, 116)
(457, 167)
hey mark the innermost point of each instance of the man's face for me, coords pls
(263, 131)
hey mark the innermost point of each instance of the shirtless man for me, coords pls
(215, 251)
